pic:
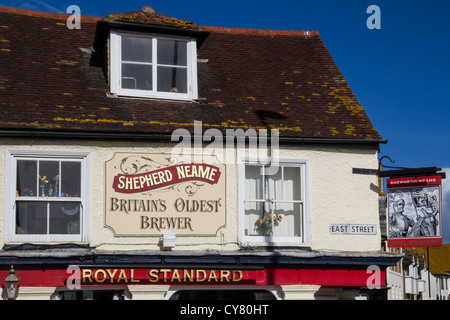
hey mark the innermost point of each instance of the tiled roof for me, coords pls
(247, 79)
(148, 16)
(439, 257)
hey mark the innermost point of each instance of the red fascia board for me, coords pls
(347, 277)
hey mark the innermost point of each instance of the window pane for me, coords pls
(273, 186)
(288, 219)
(26, 178)
(31, 217)
(65, 218)
(71, 179)
(253, 183)
(136, 49)
(172, 79)
(136, 76)
(172, 52)
(48, 175)
(292, 189)
(257, 218)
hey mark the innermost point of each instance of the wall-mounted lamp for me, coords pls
(12, 284)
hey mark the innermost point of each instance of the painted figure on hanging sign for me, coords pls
(414, 208)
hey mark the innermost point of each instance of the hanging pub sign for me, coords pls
(414, 212)
(154, 194)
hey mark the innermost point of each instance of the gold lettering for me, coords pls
(154, 276)
(225, 275)
(197, 275)
(188, 274)
(165, 272)
(87, 274)
(168, 275)
(111, 275)
(132, 277)
(212, 276)
(175, 275)
(122, 276)
(97, 279)
(239, 278)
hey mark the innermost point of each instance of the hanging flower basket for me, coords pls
(264, 226)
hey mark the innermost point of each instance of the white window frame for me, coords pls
(305, 238)
(116, 69)
(10, 195)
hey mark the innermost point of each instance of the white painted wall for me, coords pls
(337, 196)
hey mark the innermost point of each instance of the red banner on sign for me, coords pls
(165, 177)
(413, 182)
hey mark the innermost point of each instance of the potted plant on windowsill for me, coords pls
(43, 181)
(263, 226)
(73, 227)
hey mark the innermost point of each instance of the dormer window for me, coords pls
(153, 66)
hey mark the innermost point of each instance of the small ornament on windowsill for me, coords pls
(56, 184)
(42, 183)
(264, 226)
(27, 192)
(73, 227)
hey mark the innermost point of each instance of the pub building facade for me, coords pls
(147, 157)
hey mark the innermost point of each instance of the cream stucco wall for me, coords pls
(337, 196)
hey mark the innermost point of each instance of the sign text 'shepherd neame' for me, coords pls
(165, 177)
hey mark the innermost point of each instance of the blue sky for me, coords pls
(399, 73)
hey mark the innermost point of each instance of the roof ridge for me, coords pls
(42, 14)
(265, 32)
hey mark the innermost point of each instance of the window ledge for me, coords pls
(255, 245)
(129, 97)
(44, 246)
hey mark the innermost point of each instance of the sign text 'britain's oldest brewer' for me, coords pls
(152, 194)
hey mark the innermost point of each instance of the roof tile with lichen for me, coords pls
(247, 78)
(149, 16)
(439, 257)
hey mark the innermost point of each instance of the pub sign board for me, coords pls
(154, 194)
(414, 212)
